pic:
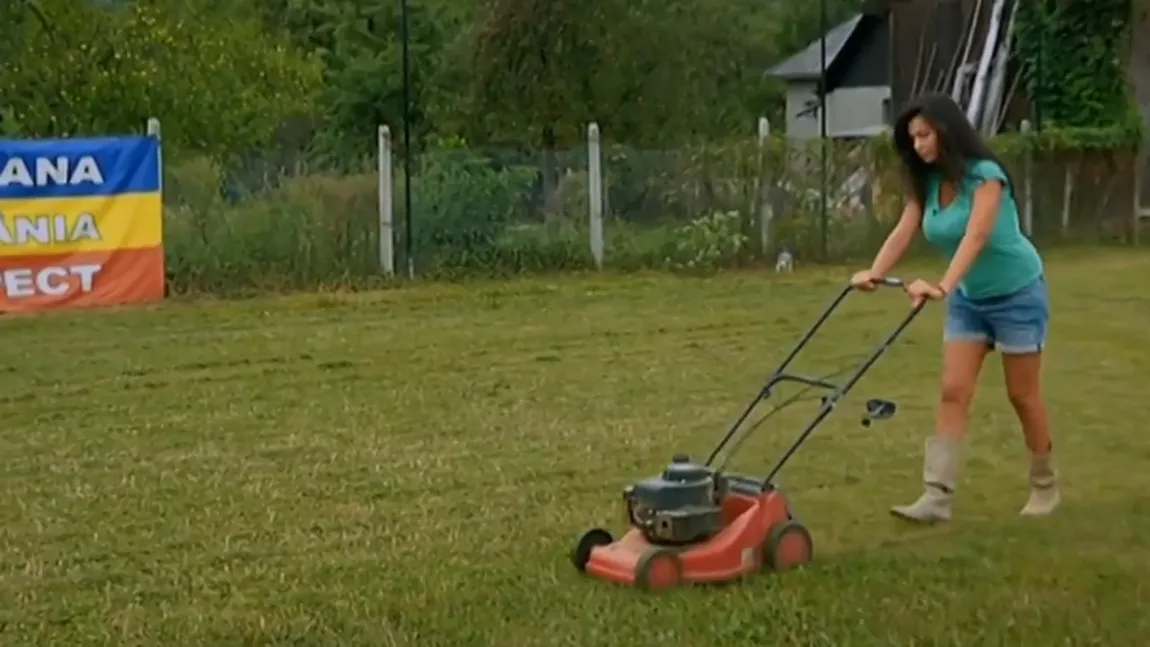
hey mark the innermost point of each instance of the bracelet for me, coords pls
(944, 291)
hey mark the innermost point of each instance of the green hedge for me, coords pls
(1075, 56)
(693, 210)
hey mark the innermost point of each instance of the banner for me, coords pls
(80, 223)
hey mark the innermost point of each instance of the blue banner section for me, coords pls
(74, 168)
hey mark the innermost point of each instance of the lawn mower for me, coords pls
(696, 523)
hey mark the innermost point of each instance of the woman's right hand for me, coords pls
(865, 280)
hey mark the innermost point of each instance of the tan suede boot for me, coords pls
(939, 473)
(1044, 495)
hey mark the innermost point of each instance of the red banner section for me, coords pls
(79, 279)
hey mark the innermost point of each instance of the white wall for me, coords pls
(850, 111)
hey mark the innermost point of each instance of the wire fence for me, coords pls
(600, 206)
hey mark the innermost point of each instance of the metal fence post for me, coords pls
(154, 130)
(765, 211)
(595, 192)
(386, 191)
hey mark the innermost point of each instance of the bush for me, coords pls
(466, 210)
(709, 243)
(311, 231)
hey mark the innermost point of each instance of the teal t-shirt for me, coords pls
(1009, 261)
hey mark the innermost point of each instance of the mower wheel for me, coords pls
(588, 540)
(788, 545)
(658, 569)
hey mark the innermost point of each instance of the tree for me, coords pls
(218, 84)
(652, 73)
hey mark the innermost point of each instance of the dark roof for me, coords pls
(807, 64)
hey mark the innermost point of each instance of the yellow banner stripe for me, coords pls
(87, 224)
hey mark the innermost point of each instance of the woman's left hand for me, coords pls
(920, 292)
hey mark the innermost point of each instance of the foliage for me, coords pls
(256, 95)
(709, 243)
(650, 73)
(311, 230)
(1121, 137)
(1076, 55)
(465, 204)
(363, 84)
(697, 209)
(220, 86)
(224, 76)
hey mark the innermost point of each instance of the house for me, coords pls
(858, 80)
(878, 59)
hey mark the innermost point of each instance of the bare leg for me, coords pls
(962, 362)
(1024, 388)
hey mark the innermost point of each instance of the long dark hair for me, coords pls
(959, 144)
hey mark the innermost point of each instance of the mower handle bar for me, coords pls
(885, 281)
(837, 391)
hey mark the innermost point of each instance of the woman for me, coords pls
(961, 197)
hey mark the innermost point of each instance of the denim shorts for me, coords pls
(1013, 323)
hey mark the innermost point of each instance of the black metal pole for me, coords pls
(1038, 71)
(409, 240)
(823, 28)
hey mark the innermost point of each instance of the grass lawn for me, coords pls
(412, 468)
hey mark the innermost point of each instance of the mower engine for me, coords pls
(681, 506)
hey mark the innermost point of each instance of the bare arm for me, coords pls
(899, 239)
(983, 213)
